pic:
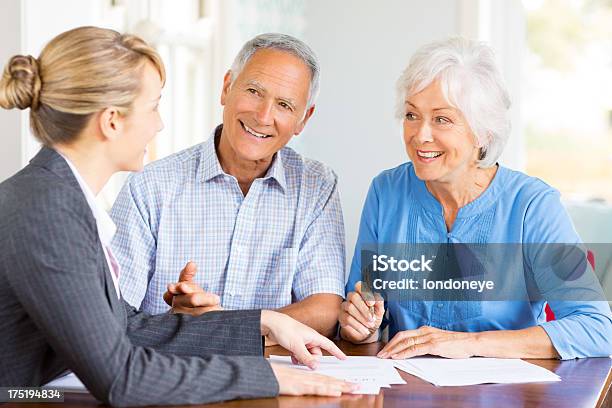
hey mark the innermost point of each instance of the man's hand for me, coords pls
(303, 342)
(188, 297)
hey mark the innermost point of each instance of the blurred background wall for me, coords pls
(555, 55)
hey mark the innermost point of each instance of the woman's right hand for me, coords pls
(299, 382)
(303, 342)
(305, 346)
(357, 323)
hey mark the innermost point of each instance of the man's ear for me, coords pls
(110, 122)
(307, 116)
(227, 83)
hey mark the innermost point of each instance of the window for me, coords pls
(567, 96)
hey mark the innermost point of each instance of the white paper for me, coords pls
(471, 371)
(371, 373)
(68, 383)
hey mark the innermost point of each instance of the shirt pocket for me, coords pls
(276, 287)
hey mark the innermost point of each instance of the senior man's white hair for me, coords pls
(471, 82)
(283, 42)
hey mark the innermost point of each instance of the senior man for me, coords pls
(262, 223)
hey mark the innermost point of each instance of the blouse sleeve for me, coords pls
(583, 325)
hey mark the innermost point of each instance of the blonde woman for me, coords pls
(93, 95)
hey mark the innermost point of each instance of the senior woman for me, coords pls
(454, 109)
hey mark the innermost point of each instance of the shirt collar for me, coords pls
(211, 168)
(277, 171)
(105, 224)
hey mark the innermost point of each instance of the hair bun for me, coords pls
(20, 84)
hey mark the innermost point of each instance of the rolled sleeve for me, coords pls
(583, 325)
(587, 332)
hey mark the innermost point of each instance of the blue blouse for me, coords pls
(515, 208)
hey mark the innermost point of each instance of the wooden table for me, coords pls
(586, 383)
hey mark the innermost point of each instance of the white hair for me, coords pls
(471, 82)
(282, 42)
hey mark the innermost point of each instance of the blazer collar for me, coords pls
(51, 160)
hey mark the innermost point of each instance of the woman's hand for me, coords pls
(299, 382)
(360, 317)
(430, 340)
(305, 345)
(303, 342)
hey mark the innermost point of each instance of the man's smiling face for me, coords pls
(265, 105)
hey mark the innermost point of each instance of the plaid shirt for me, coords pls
(283, 242)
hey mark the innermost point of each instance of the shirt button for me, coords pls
(449, 235)
(440, 305)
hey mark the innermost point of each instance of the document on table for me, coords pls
(471, 371)
(67, 383)
(371, 373)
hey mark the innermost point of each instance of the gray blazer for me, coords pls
(59, 310)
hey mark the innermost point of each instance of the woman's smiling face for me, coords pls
(438, 139)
